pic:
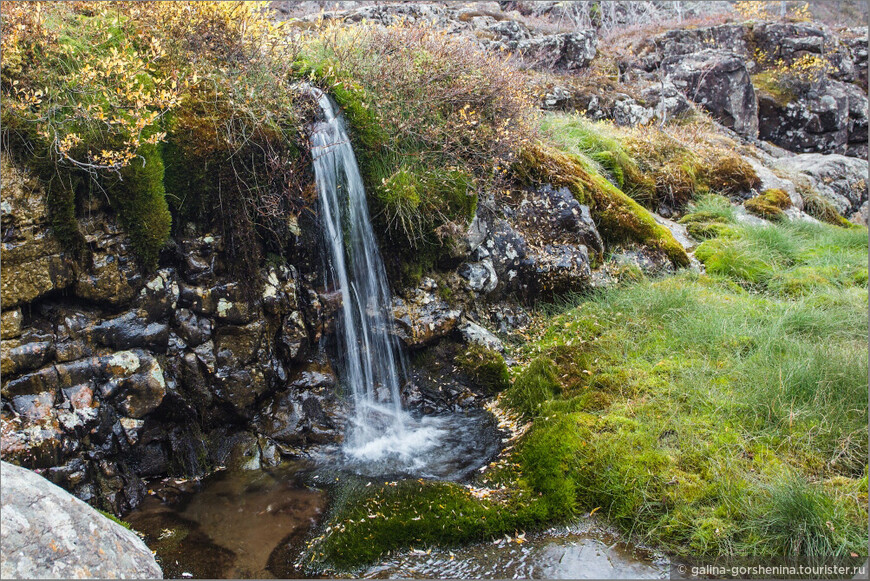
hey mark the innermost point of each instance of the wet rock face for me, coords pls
(831, 118)
(49, 533)
(423, 316)
(129, 374)
(719, 82)
(33, 261)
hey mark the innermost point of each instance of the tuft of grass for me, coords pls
(115, 519)
(798, 519)
(536, 385)
(485, 367)
(822, 209)
(730, 175)
(769, 203)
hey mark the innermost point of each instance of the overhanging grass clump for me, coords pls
(434, 120)
(485, 367)
(653, 166)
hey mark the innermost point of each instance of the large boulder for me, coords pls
(840, 179)
(830, 118)
(568, 51)
(49, 533)
(719, 82)
(685, 41)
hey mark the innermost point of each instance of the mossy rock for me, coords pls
(768, 204)
(619, 218)
(485, 367)
(139, 199)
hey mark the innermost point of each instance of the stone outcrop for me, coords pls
(33, 261)
(542, 245)
(710, 65)
(840, 179)
(48, 533)
(719, 82)
(830, 118)
(128, 375)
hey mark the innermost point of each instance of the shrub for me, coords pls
(485, 367)
(418, 99)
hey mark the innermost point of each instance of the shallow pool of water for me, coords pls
(582, 551)
(233, 525)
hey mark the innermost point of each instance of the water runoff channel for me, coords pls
(253, 525)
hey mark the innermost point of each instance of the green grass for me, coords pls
(723, 414)
(115, 519)
(485, 367)
(577, 135)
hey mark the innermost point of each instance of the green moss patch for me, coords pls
(485, 367)
(769, 203)
(139, 199)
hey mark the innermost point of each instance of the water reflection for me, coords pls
(232, 525)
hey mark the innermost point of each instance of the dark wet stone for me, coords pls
(719, 82)
(129, 331)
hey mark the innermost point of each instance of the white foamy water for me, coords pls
(382, 438)
(371, 362)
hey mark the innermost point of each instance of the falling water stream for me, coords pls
(383, 437)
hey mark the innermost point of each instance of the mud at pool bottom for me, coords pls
(232, 525)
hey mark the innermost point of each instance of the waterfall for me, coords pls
(370, 360)
(382, 437)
